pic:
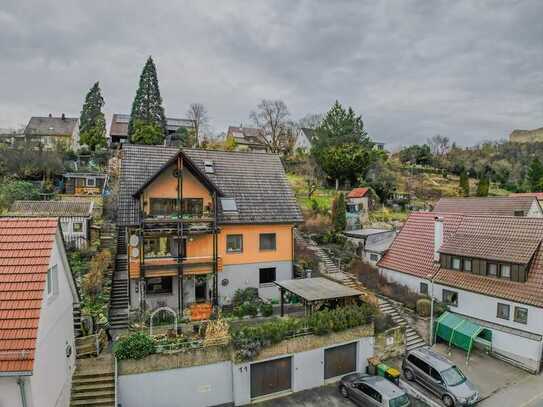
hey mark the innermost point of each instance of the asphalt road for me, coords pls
(325, 396)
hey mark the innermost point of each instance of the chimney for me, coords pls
(50, 115)
(63, 116)
(438, 236)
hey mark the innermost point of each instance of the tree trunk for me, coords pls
(337, 184)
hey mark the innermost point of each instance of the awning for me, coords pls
(459, 331)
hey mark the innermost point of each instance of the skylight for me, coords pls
(208, 167)
(229, 205)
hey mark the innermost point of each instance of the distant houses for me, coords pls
(246, 138)
(526, 136)
(37, 345)
(517, 205)
(51, 131)
(304, 138)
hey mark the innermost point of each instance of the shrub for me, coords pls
(266, 309)
(382, 322)
(423, 307)
(241, 296)
(136, 346)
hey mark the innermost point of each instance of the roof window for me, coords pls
(208, 167)
(229, 205)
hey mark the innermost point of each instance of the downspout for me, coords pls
(180, 277)
(21, 384)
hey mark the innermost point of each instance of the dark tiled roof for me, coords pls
(256, 181)
(51, 208)
(249, 135)
(25, 250)
(498, 206)
(538, 195)
(51, 126)
(509, 239)
(119, 124)
(412, 251)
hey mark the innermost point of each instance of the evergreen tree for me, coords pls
(147, 106)
(464, 183)
(92, 123)
(339, 213)
(483, 186)
(535, 175)
(147, 133)
(341, 145)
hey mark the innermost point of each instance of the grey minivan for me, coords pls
(365, 390)
(439, 375)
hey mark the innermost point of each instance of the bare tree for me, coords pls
(198, 114)
(272, 118)
(310, 121)
(439, 144)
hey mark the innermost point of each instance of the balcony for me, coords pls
(167, 266)
(192, 224)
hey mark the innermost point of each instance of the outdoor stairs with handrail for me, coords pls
(93, 383)
(413, 339)
(119, 302)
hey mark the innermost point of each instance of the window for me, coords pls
(77, 227)
(234, 243)
(267, 275)
(467, 265)
(521, 315)
(424, 288)
(371, 392)
(52, 281)
(519, 212)
(505, 271)
(419, 363)
(193, 206)
(157, 247)
(267, 241)
(158, 285)
(450, 298)
(374, 257)
(229, 205)
(456, 262)
(163, 206)
(91, 182)
(503, 311)
(435, 375)
(492, 269)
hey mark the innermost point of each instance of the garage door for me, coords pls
(270, 377)
(339, 360)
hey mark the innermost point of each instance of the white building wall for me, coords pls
(9, 392)
(50, 384)
(412, 282)
(535, 210)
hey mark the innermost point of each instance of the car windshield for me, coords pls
(401, 401)
(453, 376)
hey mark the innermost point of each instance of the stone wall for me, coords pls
(391, 343)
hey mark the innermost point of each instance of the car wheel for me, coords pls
(448, 401)
(343, 391)
(409, 375)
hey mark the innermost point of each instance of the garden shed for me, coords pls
(316, 292)
(461, 332)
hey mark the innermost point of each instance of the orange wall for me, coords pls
(165, 186)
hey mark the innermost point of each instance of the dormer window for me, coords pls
(505, 271)
(456, 263)
(492, 269)
(209, 167)
(467, 265)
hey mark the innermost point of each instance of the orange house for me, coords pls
(201, 224)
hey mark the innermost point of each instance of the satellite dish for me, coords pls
(135, 252)
(134, 240)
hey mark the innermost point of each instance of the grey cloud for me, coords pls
(467, 70)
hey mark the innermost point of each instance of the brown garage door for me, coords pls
(270, 377)
(339, 360)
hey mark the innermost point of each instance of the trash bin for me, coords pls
(393, 375)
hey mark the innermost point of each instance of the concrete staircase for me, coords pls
(77, 319)
(93, 383)
(119, 303)
(413, 339)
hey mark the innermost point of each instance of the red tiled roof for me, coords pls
(412, 251)
(538, 195)
(25, 250)
(357, 193)
(511, 239)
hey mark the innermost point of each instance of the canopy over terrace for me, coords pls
(317, 291)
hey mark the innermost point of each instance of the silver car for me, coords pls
(365, 390)
(439, 375)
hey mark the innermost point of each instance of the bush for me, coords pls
(241, 296)
(423, 307)
(266, 309)
(135, 346)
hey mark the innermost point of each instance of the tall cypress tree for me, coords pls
(339, 213)
(483, 186)
(464, 183)
(92, 123)
(147, 107)
(535, 175)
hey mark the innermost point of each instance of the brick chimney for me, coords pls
(438, 236)
(63, 116)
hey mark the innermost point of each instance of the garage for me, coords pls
(271, 377)
(339, 360)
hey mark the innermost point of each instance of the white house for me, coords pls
(75, 217)
(50, 131)
(37, 295)
(304, 138)
(358, 208)
(486, 269)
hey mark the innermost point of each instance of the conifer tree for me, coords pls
(339, 213)
(483, 186)
(464, 183)
(147, 111)
(92, 123)
(535, 175)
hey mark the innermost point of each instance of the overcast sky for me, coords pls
(469, 70)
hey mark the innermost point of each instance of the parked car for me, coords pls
(365, 390)
(439, 375)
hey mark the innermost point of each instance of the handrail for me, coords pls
(115, 382)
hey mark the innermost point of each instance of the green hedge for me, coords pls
(135, 346)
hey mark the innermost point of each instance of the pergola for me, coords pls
(317, 291)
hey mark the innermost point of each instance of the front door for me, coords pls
(200, 290)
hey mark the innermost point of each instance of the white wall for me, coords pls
(412, 282)
(535, 210)
(9, 392)
(50, 384)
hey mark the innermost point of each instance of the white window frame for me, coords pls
(508, 267)
(88, 182)
(459, 260)
(52, 282)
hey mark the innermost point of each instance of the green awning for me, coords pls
(459, 331)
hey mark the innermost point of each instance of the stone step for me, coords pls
(105, 401)
(92, 378)
(93, 395)
(94, 386)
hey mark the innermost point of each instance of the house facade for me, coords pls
(75, 217)
(358, 208)
(37, 350)
(201, 224)
(371, 244)
(304, 138)
(49, 132)
(486, 269)
(247, 138)
(84, 183)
